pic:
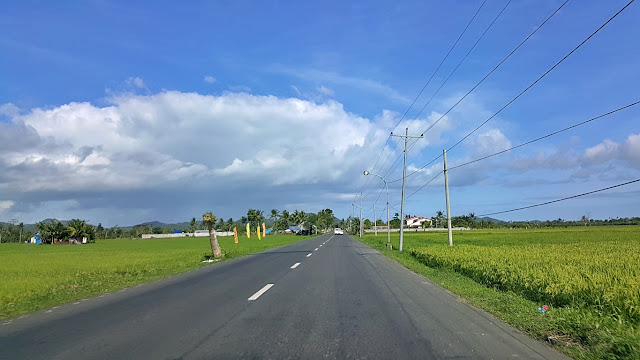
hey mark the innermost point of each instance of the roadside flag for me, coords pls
(248, 231)
(235, 234)
(258, 232)
(264, 230)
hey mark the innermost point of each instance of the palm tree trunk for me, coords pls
(215, 247)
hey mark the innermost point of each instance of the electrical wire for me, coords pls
(546, 136)
(425, 86)
(441, 62)
(487, 76)
(558, 200)
(528, 87)
(499, 64)
(543, 75)
(428, 182)
(461, 61)
(528, 142)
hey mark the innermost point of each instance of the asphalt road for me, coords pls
(343, 300)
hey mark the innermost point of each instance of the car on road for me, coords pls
(338, 231)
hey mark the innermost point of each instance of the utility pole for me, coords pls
(406, 137)
(361, 224)
(446, 191)
(375, 228)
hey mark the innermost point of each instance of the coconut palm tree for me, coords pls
(275, 214)
(209, 220)
(255, 217)
(77, 229)
(52, 231)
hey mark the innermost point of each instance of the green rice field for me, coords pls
(34, 277)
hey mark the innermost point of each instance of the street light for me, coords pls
(388, 225)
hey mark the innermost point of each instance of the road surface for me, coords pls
(327, 297)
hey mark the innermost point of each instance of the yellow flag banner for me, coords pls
(264, 230)
(235, 234)
(248, 231)
(258, 231)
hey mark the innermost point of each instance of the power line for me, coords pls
(558, 200)
(499, 64)
(461, 61)
(428, 182)
(487, 75)
(441, 62)
(425, 86)
(525, 143)
(381, 166)
(528, 87)
(548, 135)
(542, 76)
(420, 168)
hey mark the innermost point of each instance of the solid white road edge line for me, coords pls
(309, 254)
(295, 265)
(260, 292)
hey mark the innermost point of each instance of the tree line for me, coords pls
(52, 231)
(472, 221)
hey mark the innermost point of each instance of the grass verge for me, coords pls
(580, 332)
(35, 277)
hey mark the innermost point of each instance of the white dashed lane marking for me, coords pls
(295, 265)
(309, 254)
(260, 292)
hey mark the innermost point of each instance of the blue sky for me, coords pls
(123, 112)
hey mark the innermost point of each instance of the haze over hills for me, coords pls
(178, 225)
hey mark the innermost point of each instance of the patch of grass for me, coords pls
(34, 277)
(589, 276)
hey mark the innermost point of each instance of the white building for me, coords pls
(417, 221)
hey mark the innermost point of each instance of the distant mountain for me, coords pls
(180, 225)
(490, 220)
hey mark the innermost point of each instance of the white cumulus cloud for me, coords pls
(173, 142)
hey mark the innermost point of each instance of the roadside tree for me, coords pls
(209, 220)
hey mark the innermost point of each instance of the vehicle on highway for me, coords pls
(338, 231)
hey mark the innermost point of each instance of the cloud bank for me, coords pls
(180, 143)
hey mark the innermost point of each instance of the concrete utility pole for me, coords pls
(361, 223)
(375, 228)
(446, 191)
(406, 137)
(350, 217)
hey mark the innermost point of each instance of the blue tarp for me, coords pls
(37, 238)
